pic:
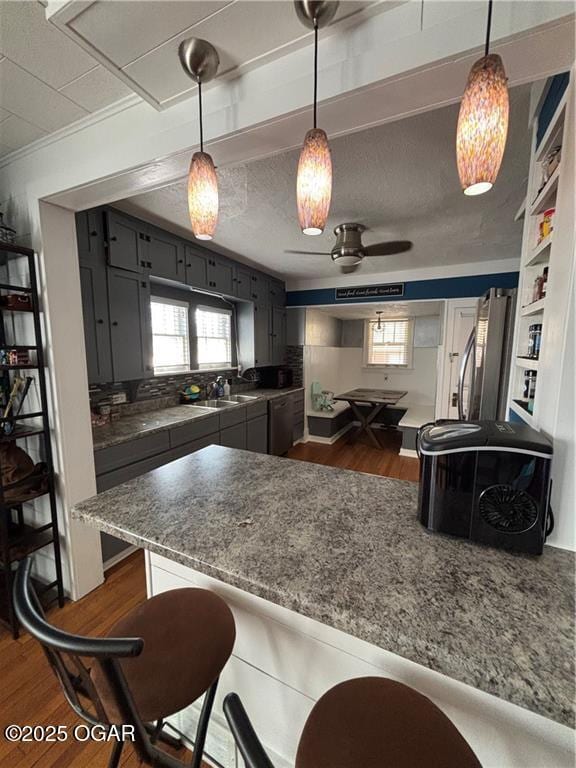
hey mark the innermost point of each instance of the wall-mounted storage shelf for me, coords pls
(547, 195)
(540, 254)
(533, 309)
(527, 363)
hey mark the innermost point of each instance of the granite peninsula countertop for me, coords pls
(346, 549)
(148, 422)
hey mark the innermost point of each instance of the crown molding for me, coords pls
(69, 130)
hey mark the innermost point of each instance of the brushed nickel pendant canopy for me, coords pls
(199, 59)
(315, 13)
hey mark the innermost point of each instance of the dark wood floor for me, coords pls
(29, 692)
(362, 456)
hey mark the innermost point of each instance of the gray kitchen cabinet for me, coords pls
(257, 434)
(221, 275)
(194, 445)
(196, 267)
(130, 325)
(90, 235)
(242, 283)
(277, 293)
(298, 416)
(277, 317)
(127, 242)
(259, 292)
(94, 288)
(261, 335)
(234, 437)
(166, 255)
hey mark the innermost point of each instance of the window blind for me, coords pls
(170, 339)
(214, 337)
(391, 344)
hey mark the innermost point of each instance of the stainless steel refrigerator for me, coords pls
(487, 358)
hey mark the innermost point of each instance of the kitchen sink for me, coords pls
(242, 398)
(214, 403)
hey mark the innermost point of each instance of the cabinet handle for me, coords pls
(188, 265)
(142, 263)
(100, 322)
(94, 233)
(113, 238)
(180, 261)
(115, 322)
(148, 239)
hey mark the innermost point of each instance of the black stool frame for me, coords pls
(66, 654)
(247, 741)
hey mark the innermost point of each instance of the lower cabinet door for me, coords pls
(257, 435)
(234, 437)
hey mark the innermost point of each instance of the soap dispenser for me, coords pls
(227, 390)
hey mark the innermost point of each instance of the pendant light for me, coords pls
(379, 313)
(200, 60)
(482, 122)
(314, 180)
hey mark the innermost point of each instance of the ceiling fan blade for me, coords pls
(388, 249)
(310, 253)
(347, 270)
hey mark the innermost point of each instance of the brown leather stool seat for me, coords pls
(188, 638)
(373, 722)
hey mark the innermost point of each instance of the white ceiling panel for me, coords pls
(96, 89)
(34, 101)
(4, 114)
(29, 41)
(388, 309)
(123, 31)
(16, 133)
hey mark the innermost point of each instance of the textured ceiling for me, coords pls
(398, 179)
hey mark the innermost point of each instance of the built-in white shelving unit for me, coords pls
(546, 190)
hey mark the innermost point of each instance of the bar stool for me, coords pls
(157, 660)
(368, 722)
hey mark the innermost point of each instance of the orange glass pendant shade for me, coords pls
(203, 196)
(314, 182)
(482, 125)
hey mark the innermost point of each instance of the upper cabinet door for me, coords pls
(277, 335)
(166, 254)
(259, 290)
(130, 325)
(196, 267)
(127, 243)
(277, 293)
(96, 321)
(221, 275)
(90, 235)
(242, 282)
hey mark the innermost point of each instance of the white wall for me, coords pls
(339, 369)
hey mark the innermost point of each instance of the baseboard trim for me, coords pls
(409, 453)
(330, 440)
(119, 557)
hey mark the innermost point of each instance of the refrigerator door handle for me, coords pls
(463, 366)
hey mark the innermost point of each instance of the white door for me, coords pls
(463, 319)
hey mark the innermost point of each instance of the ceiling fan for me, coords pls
(349, 251)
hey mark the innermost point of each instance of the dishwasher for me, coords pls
(280, 425)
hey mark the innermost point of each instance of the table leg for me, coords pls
(365, 421)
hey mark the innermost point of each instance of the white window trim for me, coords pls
(222, 365)
(176, 303)
(397, 368)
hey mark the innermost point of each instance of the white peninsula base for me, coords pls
(283, 662)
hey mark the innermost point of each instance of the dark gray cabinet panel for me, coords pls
(196, 267)
(233, 416)
(194, 430)
(259, 292)
(128, 472)
(277, 293)
(221, 275)
(257, 434)
(127, 243)
(277, 317)
(242, 283)
(130, 325)
(194, 445)
(298, 416)
(94, 289)
(255, 409)
(90, 235)
(234, 437)
(166, 255)
(107, 459)
(261, 335)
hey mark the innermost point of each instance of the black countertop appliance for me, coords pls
(275, 377)
(487, 481)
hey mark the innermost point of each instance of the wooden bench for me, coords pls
(329, 426)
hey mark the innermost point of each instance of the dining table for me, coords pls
(377, 399)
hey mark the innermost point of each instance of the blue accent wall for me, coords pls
(440, 288)
(558, 85)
